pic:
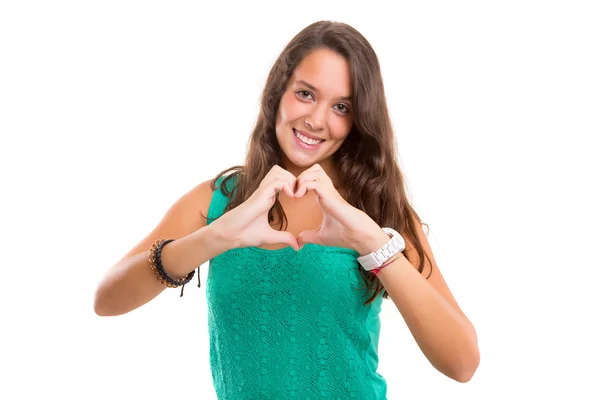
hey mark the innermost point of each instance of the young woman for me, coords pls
(305, 240)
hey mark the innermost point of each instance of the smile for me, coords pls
(307, 141)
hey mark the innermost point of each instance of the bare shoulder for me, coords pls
(185, 216)
(204, 194)
(190, 210)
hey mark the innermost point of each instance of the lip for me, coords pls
(307, 135)
(303, 145)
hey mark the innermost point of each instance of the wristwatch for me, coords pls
(376, 259)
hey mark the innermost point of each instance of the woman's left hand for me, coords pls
(342, 225)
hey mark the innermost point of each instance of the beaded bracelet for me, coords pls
(159, 271)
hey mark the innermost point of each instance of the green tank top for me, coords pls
(290, 325)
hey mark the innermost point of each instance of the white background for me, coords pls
(110, 111)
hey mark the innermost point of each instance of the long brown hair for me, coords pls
(366, 160)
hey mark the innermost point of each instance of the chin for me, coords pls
(303, 162)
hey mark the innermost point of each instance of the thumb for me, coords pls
(311, 236)
(282, 237)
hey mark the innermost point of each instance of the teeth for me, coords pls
(306, 140)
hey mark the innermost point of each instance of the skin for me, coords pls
(318, 213)
(315, 101)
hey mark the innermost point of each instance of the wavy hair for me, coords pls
(366, 160)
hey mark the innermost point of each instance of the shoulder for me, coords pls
(200, 198)
(192, 207)
(216, 190)
(183, 217)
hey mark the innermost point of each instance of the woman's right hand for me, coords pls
(247, 225)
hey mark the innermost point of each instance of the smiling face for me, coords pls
(316, 106)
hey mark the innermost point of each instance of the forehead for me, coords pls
(326, 70)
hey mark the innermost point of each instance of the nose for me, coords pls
(316, 119)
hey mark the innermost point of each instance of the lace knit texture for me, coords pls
(290, 325)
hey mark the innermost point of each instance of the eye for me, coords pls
(344, 109)
(304, 94)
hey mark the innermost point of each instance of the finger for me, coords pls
(285, 174)
(290, 181)
(309, 184)
(316, 171)
(289, 188)
(325, 194)
(277, 174)
(288, 238)
(293, 181)
(316, 167)
(301, 191)
(282, 185)
(311, 236)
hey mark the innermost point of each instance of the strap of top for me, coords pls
(219, 201)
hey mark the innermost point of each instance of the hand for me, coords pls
(247, 225)
(342, 225)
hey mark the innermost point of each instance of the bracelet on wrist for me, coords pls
(159, 271)
(377, 270)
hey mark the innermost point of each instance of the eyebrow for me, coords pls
(311, 87)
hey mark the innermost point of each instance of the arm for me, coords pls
(130, 283)
(442, 331)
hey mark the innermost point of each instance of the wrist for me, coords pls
(185, 254)
(220, 240)
(372, 242)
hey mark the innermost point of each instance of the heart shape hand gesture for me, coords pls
(342, 225)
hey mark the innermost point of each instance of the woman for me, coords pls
(296, 238)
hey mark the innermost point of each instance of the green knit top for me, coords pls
(290, 325)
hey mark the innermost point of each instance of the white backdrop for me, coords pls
(110, 111)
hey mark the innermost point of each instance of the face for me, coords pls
(315, 112)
